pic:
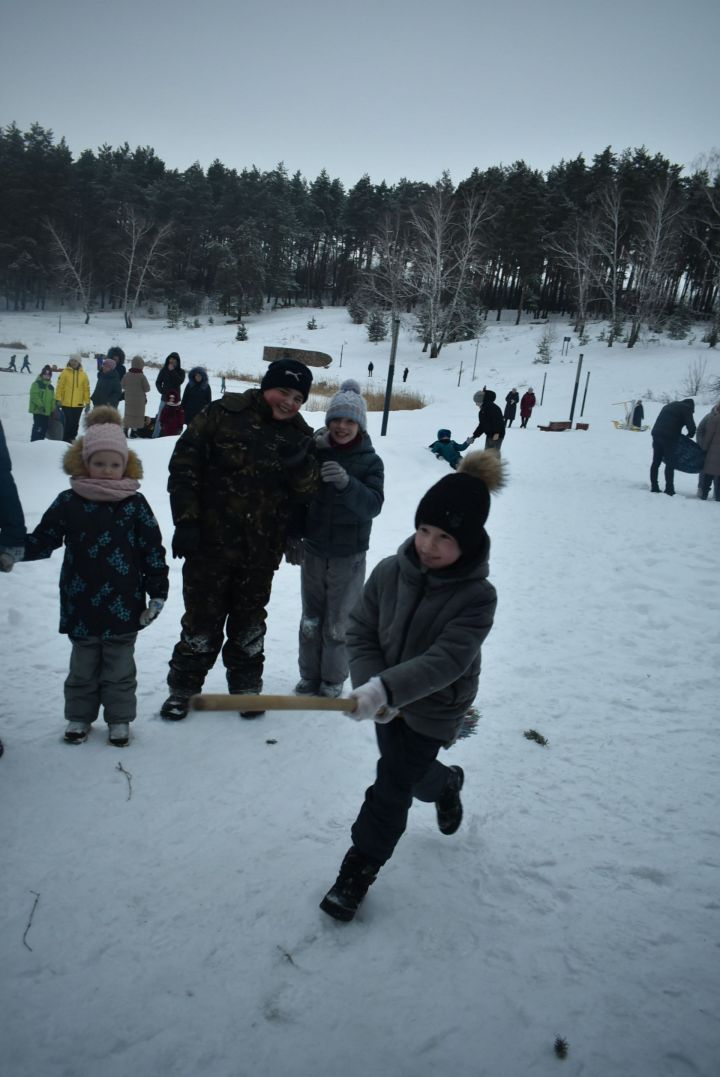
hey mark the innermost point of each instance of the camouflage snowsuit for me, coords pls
(232, 474)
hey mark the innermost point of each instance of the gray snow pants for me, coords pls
(330, 588)
(102, 673)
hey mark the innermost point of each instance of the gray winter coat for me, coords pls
(422, 632)
(708, 438)
(338, 522)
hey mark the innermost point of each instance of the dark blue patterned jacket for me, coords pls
(114, 557)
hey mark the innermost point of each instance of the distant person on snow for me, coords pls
(108, 387)
(172, 416)
(170, 377)
(671, 421)
(527, 403)
(25, 368)
(114, 557)
(490, 420)
(197, 393)
(371, 367)
(11, 365)
(447, 449)
(72, 394)
(42, 403)
(414, 642)
(638, 414)
(511, 403)
(405, 374)
(135, 387)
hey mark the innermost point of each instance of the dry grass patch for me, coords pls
(14, 344)
(324, 388)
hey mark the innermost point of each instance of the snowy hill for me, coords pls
(159, 903)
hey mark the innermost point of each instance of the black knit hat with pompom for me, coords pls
(459, 504)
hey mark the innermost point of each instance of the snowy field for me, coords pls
(159, 904)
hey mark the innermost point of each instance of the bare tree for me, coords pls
(574, 250)
(447, 241)
(145, 242)
(387, 283)
(654, 258)
(606, 241)
(74, 266)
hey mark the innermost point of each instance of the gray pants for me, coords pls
(330, 588)
(102, 673)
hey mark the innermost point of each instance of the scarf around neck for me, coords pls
(104, 489)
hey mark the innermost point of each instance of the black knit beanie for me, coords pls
(288, 374)
(459, 504)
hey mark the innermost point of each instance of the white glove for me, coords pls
(9, 555)
(372, 703)
(333, 472)
(154, 609)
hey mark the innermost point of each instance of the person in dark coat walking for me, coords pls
(371, 367)
(511, 402)
(405, 374)
(196, 394)
(671, 421)
(336, 536)
(490, 420)
(170, 377)
(11, 365)
(25, 368)
(527, 403)
(108, 387)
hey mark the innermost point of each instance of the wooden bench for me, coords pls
(556, 426)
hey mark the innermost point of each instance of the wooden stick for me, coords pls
(249, 702)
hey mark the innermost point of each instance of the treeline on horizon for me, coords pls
(625, 237)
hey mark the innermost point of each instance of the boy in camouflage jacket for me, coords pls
(234, 475)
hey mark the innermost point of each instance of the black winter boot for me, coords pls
(243, 691)
(176, 705)
(356, 875)
(448, 805)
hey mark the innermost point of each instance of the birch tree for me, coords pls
(145, 243)
(74, 267)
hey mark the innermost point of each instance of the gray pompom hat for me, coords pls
(348, 404)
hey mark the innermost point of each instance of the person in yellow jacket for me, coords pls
(72, 394)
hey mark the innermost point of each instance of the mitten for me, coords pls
(154, 609)
(186, 540)
(292, 454)
(9, 555)
(294, 551)
(333, 472)
(372, 703)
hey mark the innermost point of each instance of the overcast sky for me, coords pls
(389, 87)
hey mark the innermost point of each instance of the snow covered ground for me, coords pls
(158, 904)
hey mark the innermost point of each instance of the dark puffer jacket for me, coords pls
(236, 471)
(196, 394)
(338, 522)
(168, 378)
(672, 418)
(490, 418)
(108, 389)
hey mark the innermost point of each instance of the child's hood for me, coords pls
(191, 377)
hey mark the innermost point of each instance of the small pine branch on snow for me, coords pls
(561, 1047)
(469, 723)
(532, 734)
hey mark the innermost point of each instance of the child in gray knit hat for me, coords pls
(332, 540)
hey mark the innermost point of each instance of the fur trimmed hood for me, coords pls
(73, 463)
